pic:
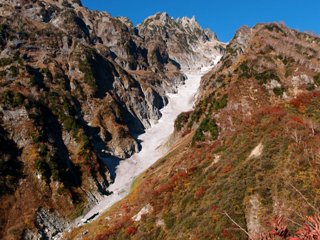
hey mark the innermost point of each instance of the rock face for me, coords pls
(187, 43)
(77, 85)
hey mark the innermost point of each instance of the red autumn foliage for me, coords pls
(131, 230)
(279, 231)
(126, 208)
(200, 192)
(304, 99)
(179, 176)
(102, 236)
(272, 111)
(297, 119)
(226, 233)
(192, 169)
(309, 231)
(215, 208)
(166, 187)
(210, 178)
(227, 168)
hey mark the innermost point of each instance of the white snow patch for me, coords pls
(152, 140)
(257, 151)
(145, 210)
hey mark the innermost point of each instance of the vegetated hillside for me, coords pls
(247, 162)
(76, 86)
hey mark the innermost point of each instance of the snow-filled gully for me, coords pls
(152, 140)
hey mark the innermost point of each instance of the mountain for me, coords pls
(187, 43)
(78, 86)
(245, 163)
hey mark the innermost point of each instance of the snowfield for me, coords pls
(152, 140)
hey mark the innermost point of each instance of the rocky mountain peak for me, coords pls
(242, 35)
(158, 19)
(190, 45)
(211, 35)
(162, 16)
(73, 3)
(187, 22)
(126, 21)
(58, 3)
(163, 19)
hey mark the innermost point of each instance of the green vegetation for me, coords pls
(10, 166)
(306, 51)
(244, 70)
(80, 207)
(14, 71)
(220, 78)
(194, 118)
(48, 74)
(220, 103)
(181, 120)
(43, 168)
(47, 164)
(69, 123)
(209, 126)
(61, 107)
(205, 106)
(10, 99)
(230, 50)
(287, 61)
(3, 28)
(266, 76)
(278, 91)
(33, 81)
(87, 69)
(85, 147)
(169, 219)
(275, 28)
(317, 79)
(311, 87)
(288, 72)
(6, 61)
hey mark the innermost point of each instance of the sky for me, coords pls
(222, 17)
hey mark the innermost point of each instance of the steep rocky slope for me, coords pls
(187, 43)
(76, 86)
(247, 162)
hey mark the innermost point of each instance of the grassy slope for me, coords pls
(190, 191)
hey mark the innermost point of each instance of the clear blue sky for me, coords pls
(222, 17)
